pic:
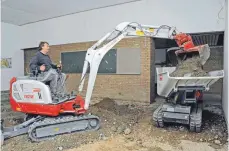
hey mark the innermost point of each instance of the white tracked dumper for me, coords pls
(183, 97)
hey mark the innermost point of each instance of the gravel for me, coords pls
(102, 137)
(114, 129)
(120, 129)
(217, 142)
(141, 129)
(181, 128)
(127, 131)
(60, 148)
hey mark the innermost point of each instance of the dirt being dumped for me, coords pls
(190, 66)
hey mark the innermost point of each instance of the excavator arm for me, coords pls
(96, 53)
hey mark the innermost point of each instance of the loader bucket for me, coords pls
(203, 51)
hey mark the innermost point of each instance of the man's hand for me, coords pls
(42, 68)
(59, 66)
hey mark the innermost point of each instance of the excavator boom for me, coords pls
(96, 53)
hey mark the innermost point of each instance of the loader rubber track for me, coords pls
(50, 127)
(196, 119)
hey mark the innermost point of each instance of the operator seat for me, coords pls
(33, 78)
(34, 75)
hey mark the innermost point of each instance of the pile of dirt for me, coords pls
(116, 119)
(190, 66)
(13, 121)
(110, 105)
(9, 117)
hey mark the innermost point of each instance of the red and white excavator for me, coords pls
(47, 118)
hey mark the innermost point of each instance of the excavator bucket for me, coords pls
(203, 51)
(177, 55)
(187, 49)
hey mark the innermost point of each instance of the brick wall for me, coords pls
(125, 87)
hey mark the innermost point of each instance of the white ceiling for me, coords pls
(21, 12)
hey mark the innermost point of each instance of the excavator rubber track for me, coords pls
(53, 126)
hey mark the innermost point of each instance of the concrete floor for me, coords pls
(212, 99)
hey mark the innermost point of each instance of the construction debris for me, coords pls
(114, 129)
(217, 142)
(140, 135)
(120, 129)
(127, 131)
(189, 67)
(60, 148)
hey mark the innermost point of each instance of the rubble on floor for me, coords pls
(131, 123)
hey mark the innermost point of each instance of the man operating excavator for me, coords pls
(42, 65)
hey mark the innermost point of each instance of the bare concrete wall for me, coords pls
(226, 57)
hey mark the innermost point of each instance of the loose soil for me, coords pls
(191, 66)
(117, 116)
